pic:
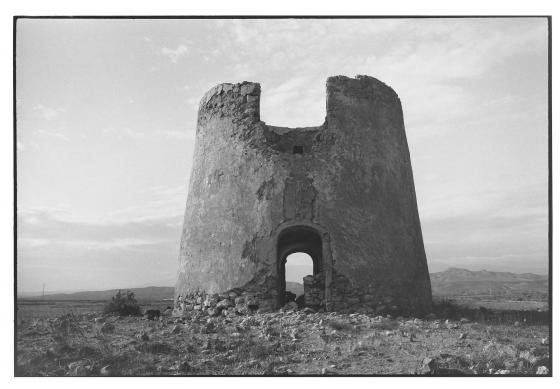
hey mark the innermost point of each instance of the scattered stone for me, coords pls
(168, 311)
(291, 306)
(265, 309)
(543, 370)
(185, 367)
(429, 365)
(154, 348)
(502, 372)
(107, 328)
(106, 371)
(463, 336)
(210, 301)
(224, 304)
(242, 309)
(209, 328)
(176, 329)
(77, 369)
(143, 336)
(526, 355)
(294, 334)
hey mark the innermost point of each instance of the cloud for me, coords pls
(20, 146)
(126, 132)
(428, 62)
(293, 103)
(34, 242)
(91, 243)
(51, 134)
(176, 135)
(485, 229)
(175, 54)
(162, 202)
(48, 113)
(46, 235)
(66, 253)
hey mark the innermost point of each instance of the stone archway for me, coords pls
(295, 239)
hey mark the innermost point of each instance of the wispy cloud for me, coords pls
(20, 146)
(175, 54)
(487, 229)
(48, 113)
(295, 101)
(166, 203)
(176, 135)
(40, 227)
(125, 132)
(53, 246)
(52, 134)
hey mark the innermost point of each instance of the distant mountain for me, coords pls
(294, 287)
(456, 274)
(463, 282)
(452, 282)
(150, 293)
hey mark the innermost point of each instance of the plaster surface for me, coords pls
(343, 192)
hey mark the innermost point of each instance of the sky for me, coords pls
(106, 119)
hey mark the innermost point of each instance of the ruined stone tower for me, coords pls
(342, 192)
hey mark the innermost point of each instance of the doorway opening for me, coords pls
(300, 243)
(298, 265)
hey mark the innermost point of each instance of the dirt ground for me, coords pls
(279, 343)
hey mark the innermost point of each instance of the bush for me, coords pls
(123, 304)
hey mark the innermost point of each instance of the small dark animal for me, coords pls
(152, 314)
(289, 296)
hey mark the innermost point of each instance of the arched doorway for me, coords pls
(298, 266)
(298, 239)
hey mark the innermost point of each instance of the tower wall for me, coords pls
(345, 187)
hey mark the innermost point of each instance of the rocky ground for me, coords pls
(277, 343)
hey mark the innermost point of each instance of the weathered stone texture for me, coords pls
(345, 188)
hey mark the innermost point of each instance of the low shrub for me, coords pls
(123, 304)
